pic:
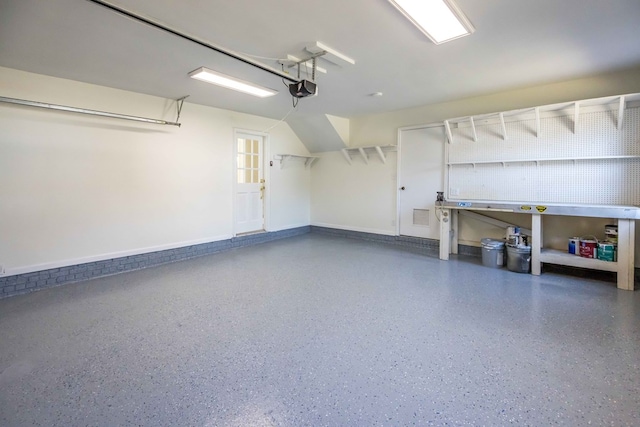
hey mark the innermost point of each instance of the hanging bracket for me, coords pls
(179, 103)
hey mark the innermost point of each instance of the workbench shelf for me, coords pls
(554, 256)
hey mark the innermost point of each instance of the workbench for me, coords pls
(625, 216)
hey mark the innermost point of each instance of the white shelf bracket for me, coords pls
(448, 128)
(537, 110)
(504, 127)
(364, 155)
(282, 159)
(381, 155)
(309, 162)
(575, 117)
(346, 155)
(286, 158)
(473, 127)
(621, 113)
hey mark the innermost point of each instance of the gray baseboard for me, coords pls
(412, 242)
(28, 282)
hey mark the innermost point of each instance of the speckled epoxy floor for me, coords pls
(318, 330)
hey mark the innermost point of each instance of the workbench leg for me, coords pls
(454, 231)
(445, 234)
(626, 255)
(536, 244)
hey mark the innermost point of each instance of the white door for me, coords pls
(421, 176)
(250, 183)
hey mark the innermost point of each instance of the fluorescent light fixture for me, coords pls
(440, 20)
(216, 78)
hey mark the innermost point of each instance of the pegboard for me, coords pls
(565, 162)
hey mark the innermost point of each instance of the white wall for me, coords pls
(76, 187)
(330, 202)
(357, 197)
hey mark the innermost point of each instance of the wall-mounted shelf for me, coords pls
(366, 152)
(286, 158)
(573, 109)
(538, 161)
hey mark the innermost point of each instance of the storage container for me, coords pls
(492, 252)
(519, 258)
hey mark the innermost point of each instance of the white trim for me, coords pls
(266, 174)
(415, 127)
(111, 255)
(398, 178)
(358, 229)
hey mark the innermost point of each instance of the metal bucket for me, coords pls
(519, 258)
(492, 252)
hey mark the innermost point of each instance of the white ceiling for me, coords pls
(517, 43)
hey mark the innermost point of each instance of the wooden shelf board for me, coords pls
(553, 256)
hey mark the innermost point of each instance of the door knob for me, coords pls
(402, 188)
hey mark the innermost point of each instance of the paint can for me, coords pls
(588, 247)
(574, 246)
(611, 233)
(607, 251)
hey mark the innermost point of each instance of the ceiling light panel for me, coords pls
(216, 78)
(440, 20)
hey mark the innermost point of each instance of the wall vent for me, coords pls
(421, 217)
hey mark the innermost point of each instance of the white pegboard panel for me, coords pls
(521, 178)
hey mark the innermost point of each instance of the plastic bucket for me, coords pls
(607, 251)
(574, 246)
(492, 253)
(519, 258)
(588, 247)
